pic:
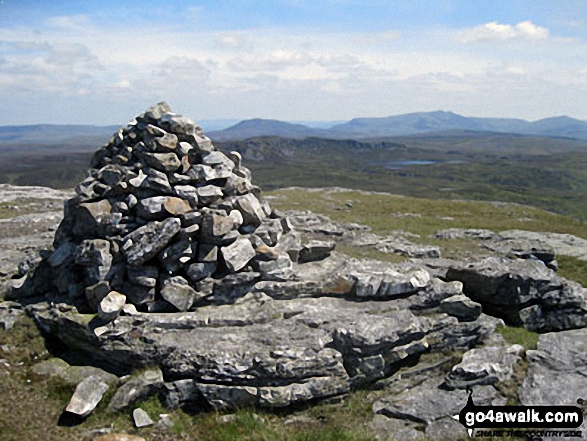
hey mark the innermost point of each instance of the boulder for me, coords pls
(86, 397)
(524, 292)
(145, 242)
(250, 208)
(141, 418)
(489, 365)
(111, 305)
(315, 250)
(238, 254)
(177, 291)
(137, 389)
(461, 307)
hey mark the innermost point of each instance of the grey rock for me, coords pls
(446, 429)
(200, 270)
(165, 162)
(10, 313)
(90, 217)
(141, 418)
(152, 208)
(156, 181)
(62, 255)
(485, 366)
(178, 292)
(216, 158)
(315, 250)
(460, 233)
(434, 293)
(429, 402)
(137, 389)
(158, 207)
(280, 269)
(95, 293)
(165, 143)
(563, 244)
(94, 255)
(269, 231)
(556, 373)
(524, 292)
(209, 194)
(111, 305)
(393, 429)
(138, 294)
(86, 397)
(237, 255)
(188, 193)
(144, 243)
(207, 253)
(176, 255)
(461, 307)
(215, 226)
(250, 208)
(182, 393)
(145, 275)
(191, 218)
(222, 397)
(388, 284)
(200, 173)
(71, 375)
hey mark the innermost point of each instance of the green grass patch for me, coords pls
(573, 269)
(385, 213)
(521, 336)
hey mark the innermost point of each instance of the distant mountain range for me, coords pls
(404, 125)
(437, 123)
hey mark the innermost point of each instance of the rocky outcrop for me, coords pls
(359, 235)
(556, 372)
(523, 292)
(542, 246)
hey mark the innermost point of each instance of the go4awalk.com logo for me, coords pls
(507, 421)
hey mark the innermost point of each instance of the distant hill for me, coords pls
(424, 122)
(43, 133)
(252, 128)
(85, 137)
(407, 124)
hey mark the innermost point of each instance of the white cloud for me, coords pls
(287, 73)
(495, 31)
(68, 22)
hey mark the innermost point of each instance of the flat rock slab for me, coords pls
(429, 402)
(136, 389)
(557, 371)
(73, 375)
(488, 365)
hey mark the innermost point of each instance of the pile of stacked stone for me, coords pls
(165, 222)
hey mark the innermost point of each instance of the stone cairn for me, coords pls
(163, 223)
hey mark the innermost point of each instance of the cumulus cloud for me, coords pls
(286, 73)
(495, 31)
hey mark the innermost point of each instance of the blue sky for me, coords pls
(103, 62)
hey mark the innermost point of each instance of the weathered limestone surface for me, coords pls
(169, 259)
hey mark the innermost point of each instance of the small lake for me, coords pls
(396, 165)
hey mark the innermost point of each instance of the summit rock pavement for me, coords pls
(168, 262)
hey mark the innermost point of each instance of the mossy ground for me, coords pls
(386, 213)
